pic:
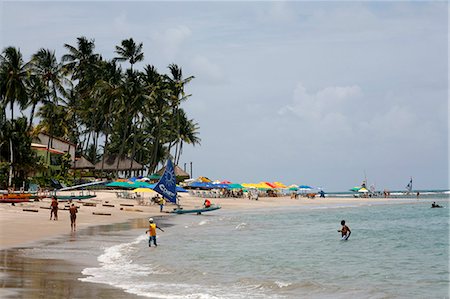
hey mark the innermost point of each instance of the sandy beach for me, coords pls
(23, 228)
(29, 276)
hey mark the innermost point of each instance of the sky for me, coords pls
(324, 94)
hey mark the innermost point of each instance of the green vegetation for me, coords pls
(85, 99)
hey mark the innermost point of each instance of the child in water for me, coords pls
(345, 231)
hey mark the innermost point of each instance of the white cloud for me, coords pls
(207, 70)
(170, 40)
(322, 105)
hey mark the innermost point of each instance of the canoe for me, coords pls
(14, 200)
(195, 211)
(74, 197)
(15, 197)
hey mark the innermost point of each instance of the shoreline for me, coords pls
(48, 258)
(20, 228)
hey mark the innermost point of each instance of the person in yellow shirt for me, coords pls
(152, 229)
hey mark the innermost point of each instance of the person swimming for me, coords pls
(345, 231)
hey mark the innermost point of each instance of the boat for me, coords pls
(197, 211)
(74, 197)
(167, 187)
(15, 197)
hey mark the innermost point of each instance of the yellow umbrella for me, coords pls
(148, 190)
(280, 185)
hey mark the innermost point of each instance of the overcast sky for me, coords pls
(321, 94)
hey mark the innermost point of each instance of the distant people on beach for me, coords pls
(54, 209)
(207, 203)
(418, 194)
(73, 217)
(322, 194)
(345, 231)
(152, 230)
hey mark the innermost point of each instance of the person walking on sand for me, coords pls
(152, 229)
(162, 201)
(73, 217)
(345, 231)
(54, 209)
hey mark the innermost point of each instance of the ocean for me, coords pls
(395, 251)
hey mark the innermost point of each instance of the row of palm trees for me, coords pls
(95, 103)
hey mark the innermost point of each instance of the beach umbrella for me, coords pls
(235, 186)
(271, 185)
(280, 185)
(355, 189)
(363, 190)
(144, 190)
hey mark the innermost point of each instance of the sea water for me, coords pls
(395, 251)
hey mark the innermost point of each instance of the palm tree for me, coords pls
(178, 95)
(46, 67)
(188, 133)
(130, 51)
(13, 73)
(36, 93)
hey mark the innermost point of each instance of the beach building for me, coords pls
(56, 144)
(179, 173)
(121, 167)
(52, 151)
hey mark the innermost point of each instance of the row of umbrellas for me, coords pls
(137, 184)
(143, 185)
(202, 184)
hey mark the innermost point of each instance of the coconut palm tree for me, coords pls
(177, 83)
(13, 74)
(37, 93)
(129, 51)
(188, 133)
(47, 68)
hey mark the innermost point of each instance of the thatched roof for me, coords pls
(178, 172)
(82, 163)
(124, 164)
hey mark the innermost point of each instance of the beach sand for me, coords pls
(36, 277)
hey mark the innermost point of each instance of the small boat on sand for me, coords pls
(195, 211)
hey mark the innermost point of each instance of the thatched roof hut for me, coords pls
(82, 163)
(179, 173)
(124, 164)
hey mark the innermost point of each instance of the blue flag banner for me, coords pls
(167, 184)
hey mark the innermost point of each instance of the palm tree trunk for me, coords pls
(104, 152)
(31, 117)
(11, 160)
(122, 147)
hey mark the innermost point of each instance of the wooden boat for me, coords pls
(195, 211)
(15, 197)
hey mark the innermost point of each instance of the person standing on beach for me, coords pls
(345, 231)
(152, 229)
(73, 217)
(54, 209)
(162, 201)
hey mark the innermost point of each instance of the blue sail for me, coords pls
(167, 184)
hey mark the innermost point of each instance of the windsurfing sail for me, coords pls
(167, 184)
(409, 186)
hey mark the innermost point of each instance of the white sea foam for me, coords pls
(203, 222)
(241, 226)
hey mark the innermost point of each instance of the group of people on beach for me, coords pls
(73, 210)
